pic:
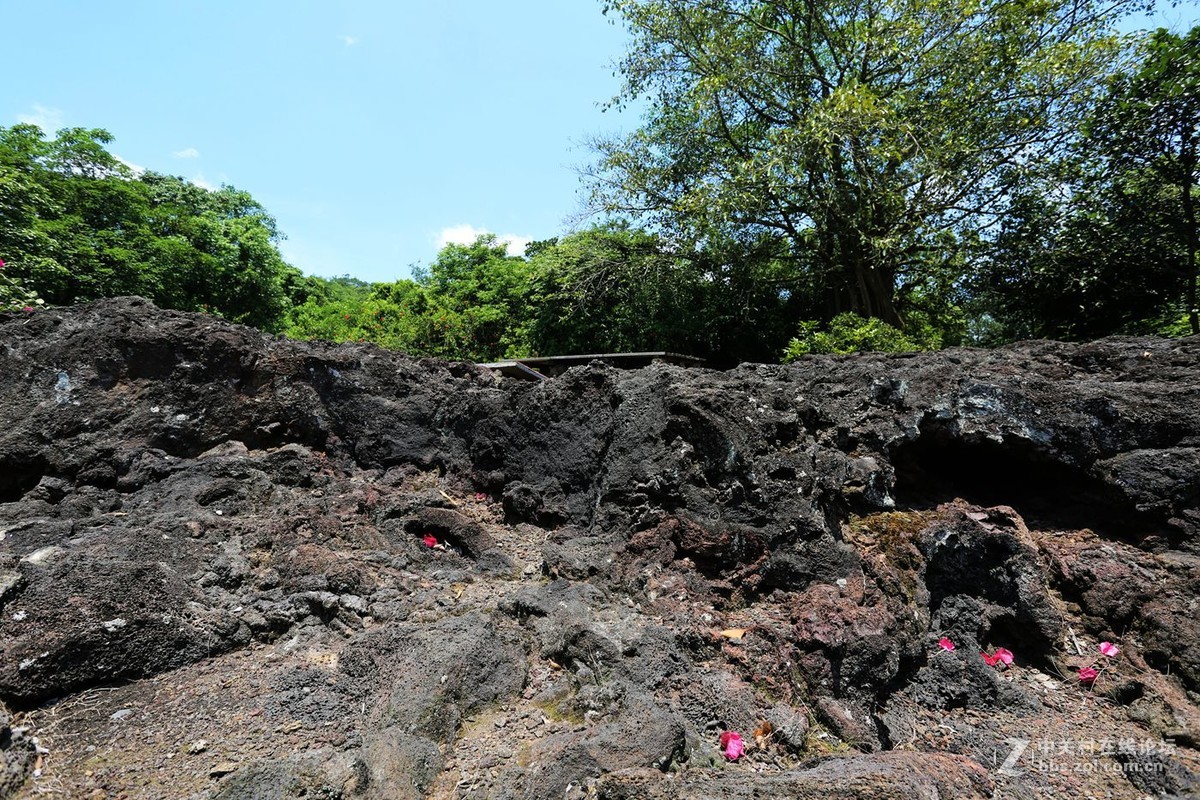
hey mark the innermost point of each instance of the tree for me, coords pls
(859, 132)
(1149, 122)
(76, 224)
(615, 289)
(471, 303)
(481, 296)
(1097, 259)
(1108, 243)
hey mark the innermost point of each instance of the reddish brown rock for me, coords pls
(207, 533)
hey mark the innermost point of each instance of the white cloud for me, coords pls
(48, 119)
(516, 244)
(136, 168)
(349, 41)
(460, 234)
(187, 152)
(202, 182)
(467, 234)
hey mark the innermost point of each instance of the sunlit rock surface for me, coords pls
(216, 578)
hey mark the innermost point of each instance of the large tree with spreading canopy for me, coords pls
(867, 135)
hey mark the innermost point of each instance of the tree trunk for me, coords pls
(1188, 153)
(852, 279)
(864, 289)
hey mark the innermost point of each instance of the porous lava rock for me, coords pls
(233, 565)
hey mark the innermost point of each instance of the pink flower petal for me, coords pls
(1109, 649)
(430, 540)
(732, 745)
(946, 644)
(1004, 656)
(1087, 675)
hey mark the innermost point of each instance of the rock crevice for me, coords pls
(233, 565)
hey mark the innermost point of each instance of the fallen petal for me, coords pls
(735, 634)
(1109, 649)
(991, 661)
(430, 540)
(732, 745)
(946, 644)
(1087, 675)
(1004, 656)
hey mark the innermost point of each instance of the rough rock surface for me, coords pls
(215, 580)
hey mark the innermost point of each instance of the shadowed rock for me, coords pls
(214, 572)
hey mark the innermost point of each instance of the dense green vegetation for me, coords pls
(807, 178)
(77, 225)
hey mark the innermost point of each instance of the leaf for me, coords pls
(763, 734)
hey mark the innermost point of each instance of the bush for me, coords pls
(14, 296)
(850, 333)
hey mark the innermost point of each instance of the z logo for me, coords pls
(1018, 747)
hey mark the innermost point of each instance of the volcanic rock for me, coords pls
(353, 574)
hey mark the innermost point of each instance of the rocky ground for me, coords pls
(216, 578)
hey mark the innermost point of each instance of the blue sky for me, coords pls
(374, 130)
(371, 129)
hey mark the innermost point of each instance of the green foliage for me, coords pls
(1108, 244)
(1100, 261)
(479, 301)
(857, 133)
(78, 225)
(472, 303)
(614, 289)
(850, 333)
(1149, 124)
(14, 296)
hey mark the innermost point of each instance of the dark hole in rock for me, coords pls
(308, 431)
(937, 467)
(1027, 644)
(1159, 661)
(974, 567)
(1127, 692)
(217, 493)
(422, 528)
(18, 477)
